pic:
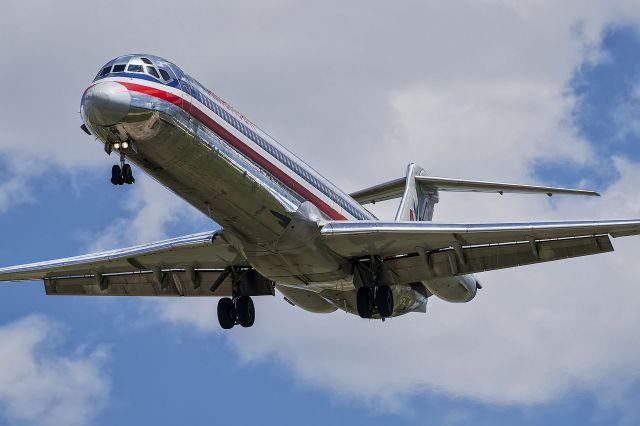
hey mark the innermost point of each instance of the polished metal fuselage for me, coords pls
(271, 225)
(263, 219)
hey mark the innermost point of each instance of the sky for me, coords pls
(525, 91)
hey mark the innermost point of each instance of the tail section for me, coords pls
(419, 192)
(418, 201)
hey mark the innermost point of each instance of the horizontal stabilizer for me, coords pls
(395, 188)
(447, 184)
(382, 192)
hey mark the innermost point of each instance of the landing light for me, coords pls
(125, 145)
(116, 145)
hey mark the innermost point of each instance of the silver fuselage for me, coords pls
(268, 201)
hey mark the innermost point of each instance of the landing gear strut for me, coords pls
(238, 310)
(121, 174)
(364, 299)
(375, 299)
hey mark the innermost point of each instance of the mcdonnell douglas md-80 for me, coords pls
(279, 223)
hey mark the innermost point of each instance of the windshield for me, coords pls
(143, 66)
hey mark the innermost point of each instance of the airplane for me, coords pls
(277, 224)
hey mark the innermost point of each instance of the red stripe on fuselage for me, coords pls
(238, 144)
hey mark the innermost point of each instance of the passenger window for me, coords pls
(164, 74)
(153, 72)
(135, 68)
(118, 68)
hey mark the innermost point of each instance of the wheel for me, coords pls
(245, 311)
(116, 175)
(226, 314)
(127, 174)
(364, 302)
(384, 301)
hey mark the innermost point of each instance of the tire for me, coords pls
(116, 175)
(364, 302)
(226, 314)
(127, 174)
(384, 301)
(245, 311)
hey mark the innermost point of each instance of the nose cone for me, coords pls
(106, 103)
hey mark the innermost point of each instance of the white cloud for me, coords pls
(532, 333)
(13, 191)
(474, 89)
(491, 101)
(40, 385)
(145, 214)
(196, 312)
(626, 115)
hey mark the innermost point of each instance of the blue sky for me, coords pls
(163, 364)
(603, 89)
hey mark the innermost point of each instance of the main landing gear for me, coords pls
(121, 174)
(372, 297)
(375, 299)
(237, 310)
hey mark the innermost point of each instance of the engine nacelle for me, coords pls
(458, 289)
(306, 299)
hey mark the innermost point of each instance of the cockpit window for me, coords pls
(153, 72)
(165, 75)
(144, 67)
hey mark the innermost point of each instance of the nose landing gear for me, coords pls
(121, 174)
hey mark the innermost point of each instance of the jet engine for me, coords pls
(458, 289)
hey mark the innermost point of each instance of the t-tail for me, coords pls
(419, 192)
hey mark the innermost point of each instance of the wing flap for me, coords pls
(172, 282)
(448, 262)
(365, 238)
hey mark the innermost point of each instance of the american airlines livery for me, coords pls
(282, 225)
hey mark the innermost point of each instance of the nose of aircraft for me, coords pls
(106, 103)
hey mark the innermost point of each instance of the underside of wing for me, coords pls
(419, 250)
(191, 265)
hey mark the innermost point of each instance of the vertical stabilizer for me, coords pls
(417, 202)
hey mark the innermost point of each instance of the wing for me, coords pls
(418, 250)
(185, 266)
